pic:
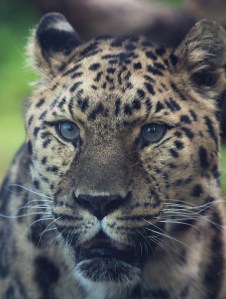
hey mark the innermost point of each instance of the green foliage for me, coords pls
(16, 20)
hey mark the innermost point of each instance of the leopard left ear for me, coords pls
(201, 58)
(51, 43)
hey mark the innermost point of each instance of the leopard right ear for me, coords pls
(52, 41)
(201, 58)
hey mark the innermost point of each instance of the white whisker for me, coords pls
(31, 191)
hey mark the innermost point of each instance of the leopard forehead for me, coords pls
(123, 79)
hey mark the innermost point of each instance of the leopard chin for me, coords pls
(108, 269)
(107, 277)
(103, 259)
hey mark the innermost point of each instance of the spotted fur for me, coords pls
(157, 201)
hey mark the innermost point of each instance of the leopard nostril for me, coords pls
(99, 206)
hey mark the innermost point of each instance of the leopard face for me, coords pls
(123, 137)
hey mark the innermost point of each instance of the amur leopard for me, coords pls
(115, 193)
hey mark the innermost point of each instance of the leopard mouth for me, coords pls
(103, 259)
(101, 246)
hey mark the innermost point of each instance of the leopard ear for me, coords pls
(51, 43)
(201, 58)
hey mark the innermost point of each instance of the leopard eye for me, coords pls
(153, 132)
(68, 131)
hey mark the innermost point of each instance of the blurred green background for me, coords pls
(17, 18)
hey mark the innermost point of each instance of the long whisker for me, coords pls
(49, 228)
(163, 234)
(173, 221)
(29, 190)
(38, 70)
(175, 211)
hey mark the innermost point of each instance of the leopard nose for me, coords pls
(100, 206)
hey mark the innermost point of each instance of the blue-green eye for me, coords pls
(68, 131)
(152, 133)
